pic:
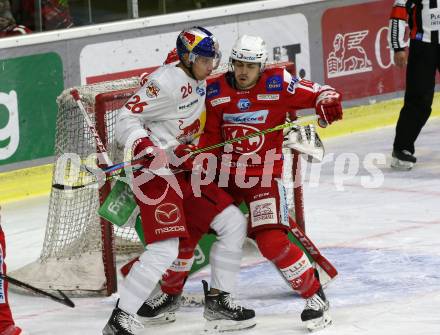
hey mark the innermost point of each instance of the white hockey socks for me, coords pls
(145, 274)
(225, 256)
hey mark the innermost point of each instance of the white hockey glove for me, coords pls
(304, 139)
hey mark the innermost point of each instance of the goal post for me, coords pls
(80, 248)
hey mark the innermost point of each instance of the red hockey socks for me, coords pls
(175, 277)
(289, 259)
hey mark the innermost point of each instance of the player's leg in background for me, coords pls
(200, 213)
(214, 211)
(229, 223)
(268, 225)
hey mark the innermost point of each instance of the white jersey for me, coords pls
(169, 108)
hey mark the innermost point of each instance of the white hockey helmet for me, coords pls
(249, 49)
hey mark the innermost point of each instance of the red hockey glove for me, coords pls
(328, 107)
(151, 156)
(184, 160)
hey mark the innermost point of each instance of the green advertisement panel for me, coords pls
(29, 87)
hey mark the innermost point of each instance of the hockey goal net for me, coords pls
(80, 248)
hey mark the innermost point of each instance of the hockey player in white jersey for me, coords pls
(165, 116)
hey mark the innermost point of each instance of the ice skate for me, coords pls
(159, 309)
(402, 160)
(122, 323)
(222, 314)
(315, 314)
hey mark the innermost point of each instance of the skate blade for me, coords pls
(220, 326)
(160, 319)
(401, 165)
(319, 323)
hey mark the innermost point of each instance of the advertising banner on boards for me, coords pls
(286, 36)
(357, 59)
(29, 87)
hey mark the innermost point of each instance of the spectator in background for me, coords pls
(55, 14)
(200, 3)
(8, 26)
(422, 63)
(7, 326)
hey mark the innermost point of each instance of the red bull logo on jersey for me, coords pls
(248, 146)
(188, 133)
(152, 90)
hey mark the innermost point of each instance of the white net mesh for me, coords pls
(71, 258)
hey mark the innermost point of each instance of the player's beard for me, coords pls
(244, 83)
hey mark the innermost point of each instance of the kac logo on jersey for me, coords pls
(274, 83)
(249, 146)
(213, 90)
(243, 104)
(200, 91)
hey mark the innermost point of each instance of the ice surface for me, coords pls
(384, 241)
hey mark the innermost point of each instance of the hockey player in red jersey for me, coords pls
(250, 99)
(247, 99)
(7, 326)
(160, 121)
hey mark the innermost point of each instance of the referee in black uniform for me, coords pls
(423, 61)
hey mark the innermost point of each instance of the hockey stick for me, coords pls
(314, 252)
(123, 165)
(64, 300)
(106, 229)
(93, 182)
(100, 146)
(257, 133)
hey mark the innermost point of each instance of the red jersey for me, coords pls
(233, 113)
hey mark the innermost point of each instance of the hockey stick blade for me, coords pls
(64, 300)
